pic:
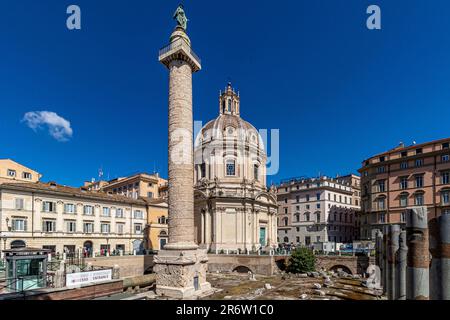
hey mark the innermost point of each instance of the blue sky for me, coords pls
(337, 91)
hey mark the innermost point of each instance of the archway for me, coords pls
(18, 244)
(138, 245)
(88, 248)
(242, 269)
(336, 268)
(281, 264)
(163, 238)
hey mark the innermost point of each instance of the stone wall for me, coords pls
(356, 264)
(130, 266)
(264, 265)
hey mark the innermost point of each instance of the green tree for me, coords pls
(302, 260)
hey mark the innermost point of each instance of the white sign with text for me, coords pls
(80, 278)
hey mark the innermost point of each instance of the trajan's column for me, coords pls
(181, 266)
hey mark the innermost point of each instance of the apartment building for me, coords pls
(406, 176)
(139, 185)
(11, 172)
(318, 210)
(65, 219)
(158, 231)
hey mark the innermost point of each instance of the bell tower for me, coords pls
(229, 101)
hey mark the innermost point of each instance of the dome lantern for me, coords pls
(229, 101)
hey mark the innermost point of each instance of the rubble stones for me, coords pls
(302, 275)
(320, 293)
(267, 286)
(317, 286)
(259, 292)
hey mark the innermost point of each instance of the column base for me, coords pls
(181, 274)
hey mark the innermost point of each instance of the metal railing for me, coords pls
(17, 284)
(177, 44)
(274, 252)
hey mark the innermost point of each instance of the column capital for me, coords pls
(179, 49)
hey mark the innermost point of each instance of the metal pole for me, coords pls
(400, 276)
(440, 263)
(393, 244)
(417, 272)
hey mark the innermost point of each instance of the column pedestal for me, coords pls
(181, 273)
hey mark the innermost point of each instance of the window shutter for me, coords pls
(13, 225)
(25, 228)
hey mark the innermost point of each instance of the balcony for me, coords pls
(177, 49)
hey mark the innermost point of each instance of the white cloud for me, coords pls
(58, 127)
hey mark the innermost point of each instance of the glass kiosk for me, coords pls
(26, 269)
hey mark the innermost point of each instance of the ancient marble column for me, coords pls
(181, 267)
(417, 272)
(383, 265)
(393, 245)
(440, 264)
(378, 248)
(401, 262)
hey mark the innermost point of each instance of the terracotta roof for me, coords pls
(414, 146)
(154, 201)
(70, 191)
(142, 175)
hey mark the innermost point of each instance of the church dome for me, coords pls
(229, 148)
(229, 125)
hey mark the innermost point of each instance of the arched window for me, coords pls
(445, 197)
(230, 168)
(297, 217)
(418, 199)
(255, 171)
(286, 240)
(404, 199)
(229, 105)
(285, 220)
(18, 244)
(381, 203)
